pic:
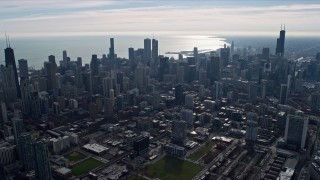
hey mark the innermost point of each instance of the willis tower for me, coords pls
(10, 60)
(280, 42)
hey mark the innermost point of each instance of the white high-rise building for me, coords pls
(60, 144)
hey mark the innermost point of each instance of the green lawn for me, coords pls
(75, 156)
(203, 150)
(85, 166)
(170, 168)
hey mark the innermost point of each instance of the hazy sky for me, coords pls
(206, 17)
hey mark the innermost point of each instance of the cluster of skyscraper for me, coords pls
(111, 88)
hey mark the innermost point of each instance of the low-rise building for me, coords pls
(95, 149)
(175, 150)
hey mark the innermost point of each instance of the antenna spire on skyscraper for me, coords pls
(6, 39)
(9, 41)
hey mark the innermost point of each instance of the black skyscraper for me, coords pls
(10, 60)
(2, 172)
(51, 70)
(225, 55)
(280, 42)
(318, 57)
(266, 53)
(178, 93)
(94, 65)
(112, 55)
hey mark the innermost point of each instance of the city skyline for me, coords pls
(69, 17)
(170, 90)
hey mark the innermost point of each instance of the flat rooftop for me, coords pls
(222, 138)
(95, 148)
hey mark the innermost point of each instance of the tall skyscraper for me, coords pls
(318, 56)
(3, 113)
(232, 49)
(51, 69)
(79, 61)
(155, 99)
(283, 94)
(225, 55)
(132, 58)
(25, 149)
(179, 132)
(23, 69)
(280, 42)
(78, 77)
(8, 83)
(187, 116)
(2, 172)
(215, 68)
(42, 165)
(218, 90)
(131, 53)
(203, 77)
(266, 53)
(155, 51)
(189, 101)
(17, 125)
(147, 51)
(252, 92)
(35, 105)
(106, 86)
(64, 56)
(87, 81)
(155, 59)
(52, 58)
(191, 73)
(112, 55)
(163, 67)
(252, 127)
(108, 107)
(141, 76)
(315, 101)
(195, 54)
(264, 89)
(296, 131)
(178, 94)
(10, 60)
(94, 65)
(56, 108)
